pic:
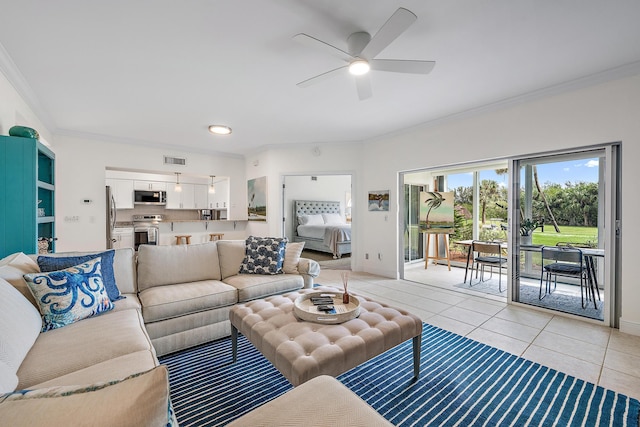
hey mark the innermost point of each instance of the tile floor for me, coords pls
(598, 354)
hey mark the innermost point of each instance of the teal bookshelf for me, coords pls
(27, 196)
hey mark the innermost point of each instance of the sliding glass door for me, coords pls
(567, 202)
(413, 238)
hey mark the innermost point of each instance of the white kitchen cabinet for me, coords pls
(200, 196)
(181, 200)
(150, 185)
(122, 190)
(220, 199)
(123, 238)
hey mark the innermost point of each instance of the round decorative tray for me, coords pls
(304, 309)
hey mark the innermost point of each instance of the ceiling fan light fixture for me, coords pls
(359, 67)
(220, 129)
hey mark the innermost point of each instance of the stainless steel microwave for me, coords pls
(145, 197)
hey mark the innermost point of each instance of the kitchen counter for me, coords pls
(200, 229)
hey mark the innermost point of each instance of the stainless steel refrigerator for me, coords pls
(111, 217)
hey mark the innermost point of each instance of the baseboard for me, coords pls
(628, 327)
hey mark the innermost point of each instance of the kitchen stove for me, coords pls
(145, 229)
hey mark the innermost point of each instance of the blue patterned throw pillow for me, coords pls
(69, 295)
(55, 263)
(263, 255)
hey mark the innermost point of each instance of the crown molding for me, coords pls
(24, 89)
(142, 143)
(623, 71)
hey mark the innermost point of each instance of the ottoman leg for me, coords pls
(234, 344)
(416, 356)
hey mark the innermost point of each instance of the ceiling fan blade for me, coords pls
(320, 77)
(402, 66)
(319, 44)
(396, 25)
(363, 85)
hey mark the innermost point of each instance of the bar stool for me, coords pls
(183, 238)
(215, 236)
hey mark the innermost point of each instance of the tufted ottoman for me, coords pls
(302, 350)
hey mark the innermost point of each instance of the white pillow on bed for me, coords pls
(333, 219)
(315, 219)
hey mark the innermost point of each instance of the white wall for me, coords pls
(606, 112)
(276, 162)
(81, 165)
(15, 111)
(301, 187)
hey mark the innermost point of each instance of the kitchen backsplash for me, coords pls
(126, 215)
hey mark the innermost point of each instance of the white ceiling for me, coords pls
(161, 71)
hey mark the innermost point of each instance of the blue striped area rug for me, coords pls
(462, 383)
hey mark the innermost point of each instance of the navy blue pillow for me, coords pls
(50, 263)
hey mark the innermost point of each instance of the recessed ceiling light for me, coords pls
(220, 129)
(359, 67)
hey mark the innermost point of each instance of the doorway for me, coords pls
(328, 198)
(565, 199)
(565, 214)
(479, 193)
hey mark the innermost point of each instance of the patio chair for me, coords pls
(592, 269)
(488, 253)
(566, 261)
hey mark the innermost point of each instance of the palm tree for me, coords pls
(489, 192)
(544, 199)
(434, 201)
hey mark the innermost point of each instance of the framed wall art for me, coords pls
(257, 199)
(378, 201)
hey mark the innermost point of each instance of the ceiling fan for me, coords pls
(362, 50)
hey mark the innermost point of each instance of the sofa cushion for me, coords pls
(166, 302)
(322, 401)
(263, 255)
(47, 263)
(231, 254)
(83, 344)
(253, 286)
(292, 254)
(118, 367)
(168, 265)
(138, 400)
(20, 325)
(14, 267)
(130, 301)
(69, 295)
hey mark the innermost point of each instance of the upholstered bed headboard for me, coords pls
(311, 207)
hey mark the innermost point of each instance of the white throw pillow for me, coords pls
(14, 267)
(333, 219)
(315, 219)
(20, 325)
(292, 253)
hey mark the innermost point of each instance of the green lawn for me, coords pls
(567, 234)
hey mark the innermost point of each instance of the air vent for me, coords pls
(168, 160)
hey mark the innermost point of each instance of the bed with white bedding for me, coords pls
(321, 226)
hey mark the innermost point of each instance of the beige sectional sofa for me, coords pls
(186, 291)
(105, 367)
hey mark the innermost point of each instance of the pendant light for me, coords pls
(212, 187)
(178, 187)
